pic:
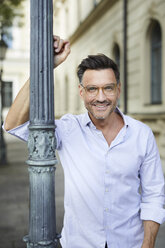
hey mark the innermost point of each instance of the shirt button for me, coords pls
(106, 209)
(106, 190)
(107, 172)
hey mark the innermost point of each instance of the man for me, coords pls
(114, 185)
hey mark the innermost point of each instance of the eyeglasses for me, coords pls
(108, 90)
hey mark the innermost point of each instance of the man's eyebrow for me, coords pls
(102, 86)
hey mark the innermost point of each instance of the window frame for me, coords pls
(156, 64)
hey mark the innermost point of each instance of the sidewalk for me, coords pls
(14, 197)
(14, 202)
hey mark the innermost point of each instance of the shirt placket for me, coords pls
(107, 197)
(106, 203)
(108, 210)
(107, 206)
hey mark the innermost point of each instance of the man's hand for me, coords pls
(61, 50)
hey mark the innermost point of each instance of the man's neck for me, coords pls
(110, 127)
(108, 123)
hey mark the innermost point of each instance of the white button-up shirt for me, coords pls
(109, 190)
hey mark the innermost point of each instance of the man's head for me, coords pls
(97, 62)
(99, 85)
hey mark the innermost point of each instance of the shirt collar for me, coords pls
(87, 120)
(117, 110)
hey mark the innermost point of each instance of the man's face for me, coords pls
(102, 104)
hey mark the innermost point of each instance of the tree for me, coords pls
(9, 10)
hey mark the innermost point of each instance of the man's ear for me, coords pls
(80, 90)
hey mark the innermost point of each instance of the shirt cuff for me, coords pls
(21, 132)
(154, 213)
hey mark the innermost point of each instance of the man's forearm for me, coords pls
(19, 111)
(150, 232)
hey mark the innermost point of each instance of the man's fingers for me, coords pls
(56, 40)
(60, 46)
(65, 52)
(67, 48)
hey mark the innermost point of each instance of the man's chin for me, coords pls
(99, 117)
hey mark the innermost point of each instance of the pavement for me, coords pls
(14, 198)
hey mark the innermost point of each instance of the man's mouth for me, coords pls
(100, 106)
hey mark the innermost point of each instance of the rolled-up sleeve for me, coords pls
(152, 184)
(21, 132)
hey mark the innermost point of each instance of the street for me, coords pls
(14, 202)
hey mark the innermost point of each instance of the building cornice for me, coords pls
(94, 15)
(148, 116)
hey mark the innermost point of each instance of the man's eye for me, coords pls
(91, 89)
(109, 88)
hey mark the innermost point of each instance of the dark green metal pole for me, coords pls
(41, 142)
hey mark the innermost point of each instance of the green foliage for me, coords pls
(9, 9)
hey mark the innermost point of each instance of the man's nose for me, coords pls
(101, 96)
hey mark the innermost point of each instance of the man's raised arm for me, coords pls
(19, 111)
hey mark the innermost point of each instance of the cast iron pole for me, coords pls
(41, 142)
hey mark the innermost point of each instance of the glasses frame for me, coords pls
(98, 88)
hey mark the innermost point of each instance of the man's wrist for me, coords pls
(148, 243)
(147, 246)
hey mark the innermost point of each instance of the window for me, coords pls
(7, 94)
(8, 38)
(95, 2)
(116, 54)
(156, 63)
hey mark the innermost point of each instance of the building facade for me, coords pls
(98, 27)
(16, 64)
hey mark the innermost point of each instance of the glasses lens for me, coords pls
(91, 90)
(109, 89)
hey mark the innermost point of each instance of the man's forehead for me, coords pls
(99, 76)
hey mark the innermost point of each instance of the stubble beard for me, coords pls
(111, 110)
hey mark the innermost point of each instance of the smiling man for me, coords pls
(114, 185)
(100, 90)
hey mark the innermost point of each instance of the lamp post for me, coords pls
(3, 49)
(41, 141)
